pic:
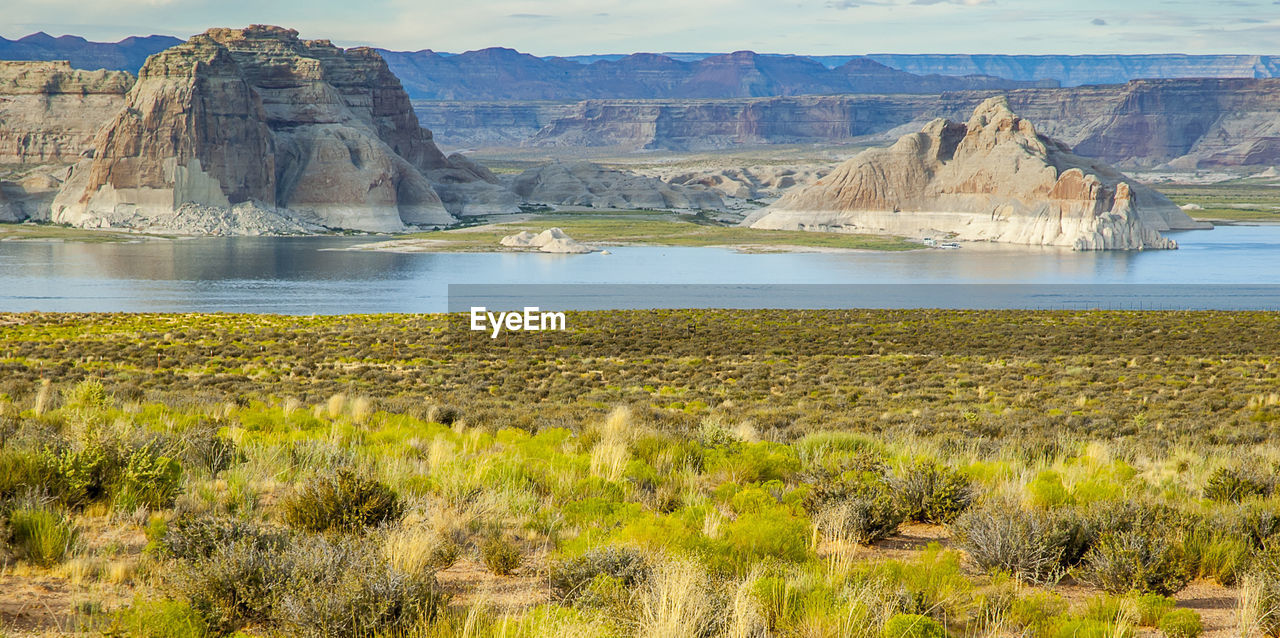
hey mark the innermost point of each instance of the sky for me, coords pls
(809, 27)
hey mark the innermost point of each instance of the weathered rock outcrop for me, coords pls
(49, 112)
(258, 115)
(552, 240)
(992, 179)
(742, 182)
(587, 184)
(1186, 124)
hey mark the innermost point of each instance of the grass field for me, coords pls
(657, 228)
(674, 473)
(50, 232)
(1236, 201)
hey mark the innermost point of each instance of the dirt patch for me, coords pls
(470, 583)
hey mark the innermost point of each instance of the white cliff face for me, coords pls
(992, 179)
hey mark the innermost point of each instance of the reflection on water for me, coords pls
(304, 275)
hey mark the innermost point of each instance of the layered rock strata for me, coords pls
(259, 116)
(993, 178)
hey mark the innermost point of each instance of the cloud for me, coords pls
(1099, 22)
(529, 16)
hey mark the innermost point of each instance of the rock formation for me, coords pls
(587, 184)
(552, 240)
(259, 116)
(992, 179)
(1180, 124)
(743, 182)
(49, 112)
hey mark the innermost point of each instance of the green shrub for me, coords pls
(1036, 612)
(932, 493)
(1141, 561)
(444, 553)
(79, 476)
(1152, 607)
(862, 518)
(771, 533)
(570, 578)
(88, 394)
(1030, 545)
(148, 479)
(41, 534)
(1259, 522)
(913, 626)
(343, 503)
(1231, 485)
(21, 471)
(1181, 623)
(1047, 490)
(1091, 628)
(500, 555)
(158, 619)
(1215, 554)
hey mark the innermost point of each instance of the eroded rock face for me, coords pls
(551, 240)
(258, 115)
(587, 184)
(992, 179)
(49, 112)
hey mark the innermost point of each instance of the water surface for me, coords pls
(312, 275)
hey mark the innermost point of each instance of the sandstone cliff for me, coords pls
(1184, 124)
(259, 116)
(991, 179)
(49, 111)
(587, 184)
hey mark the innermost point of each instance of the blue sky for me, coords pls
(815, 27)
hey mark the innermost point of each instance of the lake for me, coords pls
(1230, 267)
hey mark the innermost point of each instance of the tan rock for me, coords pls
(992, 179)
(323, 134)
(552, 240)
(50, 112)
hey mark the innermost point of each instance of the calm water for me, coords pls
(1228, 267)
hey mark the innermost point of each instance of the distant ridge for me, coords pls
(506, 74)
(128, 54)
(438, 75)
(1077, 70)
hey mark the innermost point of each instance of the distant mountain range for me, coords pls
(126, 55)
(494, 74)
(506, 74)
